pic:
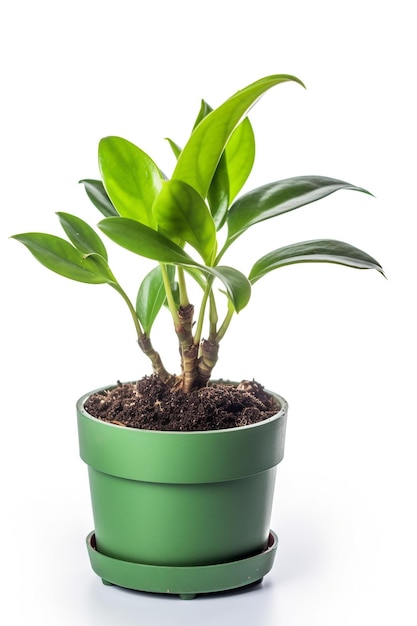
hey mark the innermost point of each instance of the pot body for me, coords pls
(181, 498)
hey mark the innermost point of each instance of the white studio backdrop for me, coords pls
(339, 344)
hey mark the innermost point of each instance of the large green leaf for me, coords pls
(151, 296)
(279, 197)
(59, 256)
(83, 237)
(199, 158)
(98, 196)
(144, 241)
(233, 168)
(182, 214)
(151, 244)
(218, 193)
(131, 178)
(320, 250)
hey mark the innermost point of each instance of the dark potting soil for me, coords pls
(151, 404)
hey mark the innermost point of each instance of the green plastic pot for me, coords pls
(181, 512)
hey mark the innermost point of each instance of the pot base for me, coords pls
(185, 581)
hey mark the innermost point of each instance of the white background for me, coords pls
(339, 344)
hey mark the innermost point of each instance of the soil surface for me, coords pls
(151, 404)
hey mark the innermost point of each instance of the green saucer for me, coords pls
(188, 581)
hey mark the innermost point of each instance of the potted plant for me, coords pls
(182, 468)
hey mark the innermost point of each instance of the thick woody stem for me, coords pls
(189, 365)
(158, 367)
(184, 331)
(188, 350)
(207, 361)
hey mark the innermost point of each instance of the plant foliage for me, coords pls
(186, 224)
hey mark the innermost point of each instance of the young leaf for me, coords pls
(83, 237)
(98, 196)
(205, 109)
(151, 296)
(174, 147)
(320, 250)
(59, 256)
(279, 197)
(199, 158)
(151, 244)
(131, 178)
(181, 212)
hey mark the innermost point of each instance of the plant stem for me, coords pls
(158, 367)
(209, 349)
(214, 318)
(118, 288)
(188, 350)
(200, 322)
(144, 341)
(207, 361)
(226, 323)
(170, 298)
(184, 301)
(183, 322)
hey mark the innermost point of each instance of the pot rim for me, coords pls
(163, 456)
(280, 413)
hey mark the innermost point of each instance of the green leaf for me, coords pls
(232, 171)
(151, 244)
(83, 237)
(144, 241)
(199, 158)
(151, 296)
(181, 213)
(205, 109)
(218, 194)
(237, 286)
(317, 251)
(98, 196)
(59, 256)
(131, 178)
(240, 157)
(174, 147)
(279, 197)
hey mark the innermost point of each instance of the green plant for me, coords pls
(169, 220)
